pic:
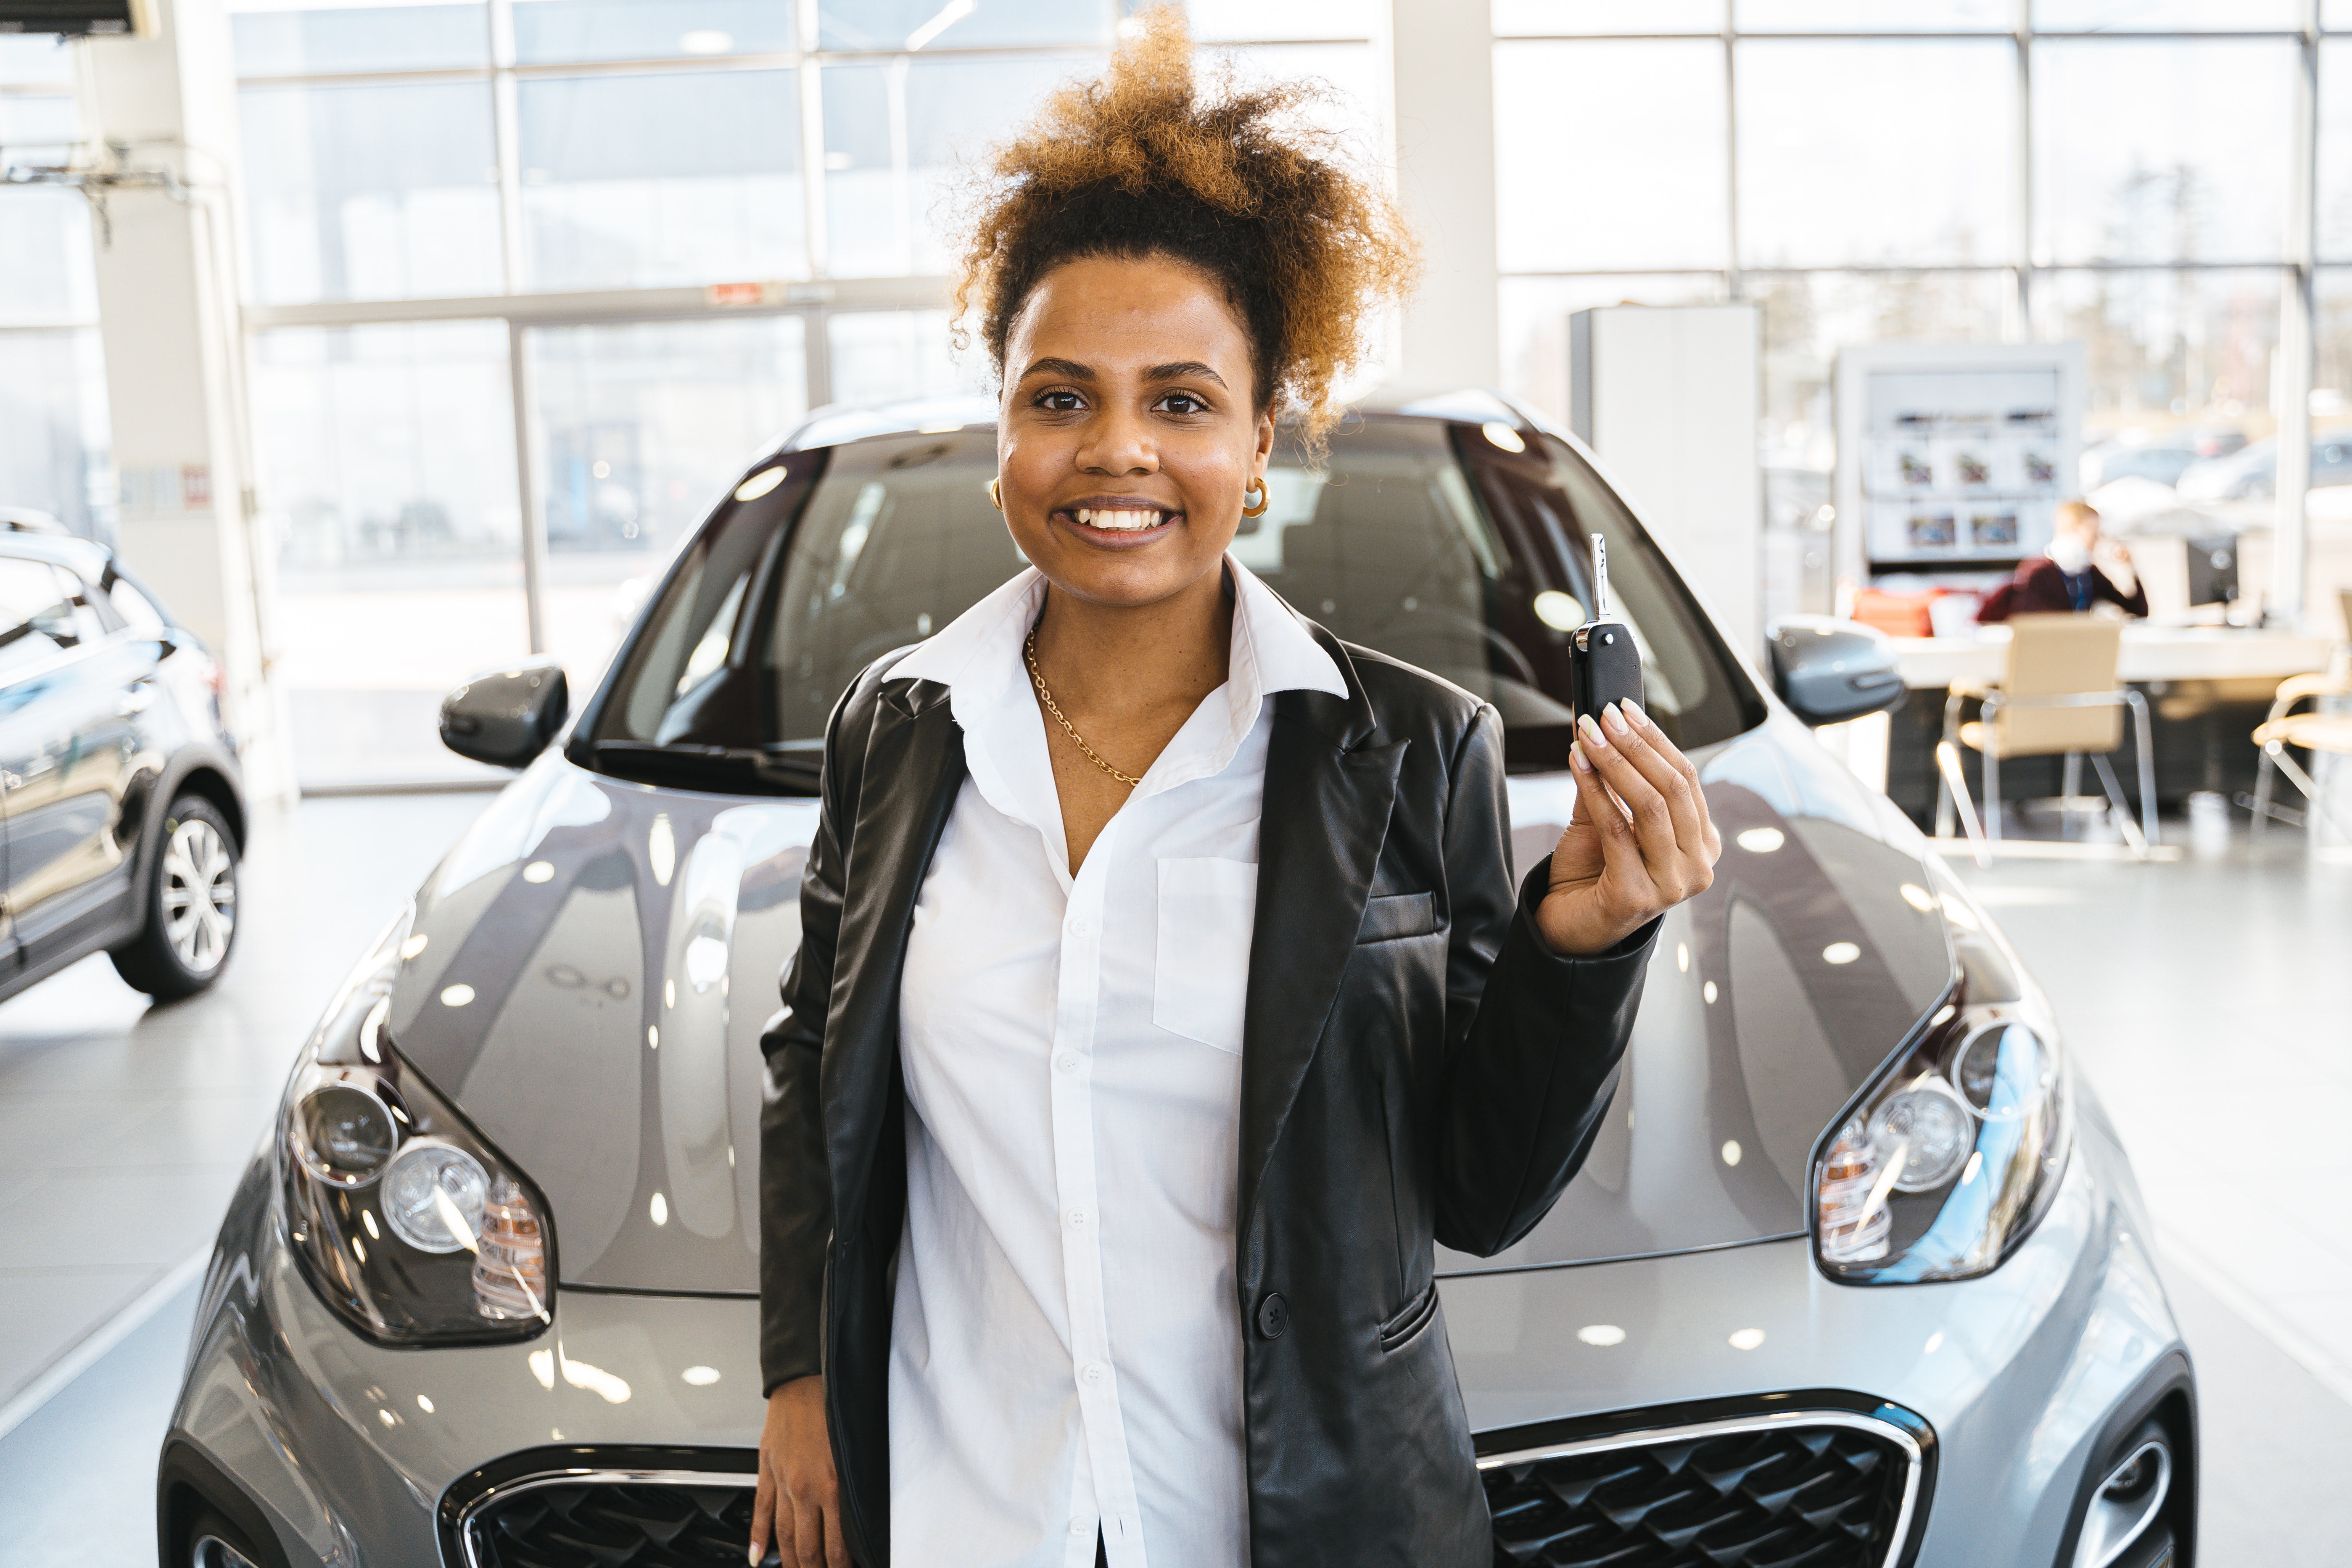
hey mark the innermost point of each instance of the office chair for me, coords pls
(2320, 731)
(2057, 695)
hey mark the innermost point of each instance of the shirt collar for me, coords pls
(978, 652)
(977, 657)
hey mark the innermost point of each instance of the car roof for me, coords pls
(843, 422)
(85, 558)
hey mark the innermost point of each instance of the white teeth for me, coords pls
(1122, 520)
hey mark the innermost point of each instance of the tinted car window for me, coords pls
(134, 608)
(1422, 540)
(38, 615)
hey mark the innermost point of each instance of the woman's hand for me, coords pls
(798, 1503)
(1619, 866)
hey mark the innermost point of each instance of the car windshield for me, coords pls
(1438, 544)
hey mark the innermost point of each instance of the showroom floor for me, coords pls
(2207, 998)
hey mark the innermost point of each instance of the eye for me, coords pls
(1184, 402)
(1061, 400)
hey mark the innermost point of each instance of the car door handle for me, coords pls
(138, 699)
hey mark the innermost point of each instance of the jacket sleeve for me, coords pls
(795, 1183)
(1533, 1037)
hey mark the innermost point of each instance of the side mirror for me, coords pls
(1829, 670)
(506, 717)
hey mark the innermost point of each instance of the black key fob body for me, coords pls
(1604, 661)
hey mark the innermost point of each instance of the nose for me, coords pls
(1118, 442)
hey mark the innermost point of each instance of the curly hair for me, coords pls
(1233, 182)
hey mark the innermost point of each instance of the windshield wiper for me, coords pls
(726, 770)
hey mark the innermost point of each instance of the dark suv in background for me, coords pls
(120, 816)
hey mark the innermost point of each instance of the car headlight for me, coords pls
(406, 1221)
(1953, 1154)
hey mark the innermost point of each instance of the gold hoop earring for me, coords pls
(1256, 509)
(995, 496)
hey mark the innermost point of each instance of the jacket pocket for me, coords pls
(1200, 971)
(1393, 915)
(1399, 1331)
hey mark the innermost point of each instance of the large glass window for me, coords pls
(1893, 153)
(2335, 151)
(1534, 319)
(1553, 17)
(891, 25)
(1875, 15)
(52, 428)
(641, 180)
(370, 192)
(2169, 350)
(642, 427)
(1609, 155)
(2151, 150)
(291, 40)
(880, 356)
(387, 458)
(560, 32)
(2165, 16)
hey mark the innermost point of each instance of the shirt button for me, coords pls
(1077, 1218)
(1093, 1372)
(1077, 1527)
(1078, 927)
(1067, 1061)
(1273, 1315)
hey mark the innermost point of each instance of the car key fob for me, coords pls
(1604, 662)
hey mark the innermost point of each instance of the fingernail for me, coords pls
(754, 1557)
(1639, 716)
(1590, 730)
(1616, 720)
(1576, 755)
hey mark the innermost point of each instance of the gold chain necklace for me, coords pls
(1029, 652)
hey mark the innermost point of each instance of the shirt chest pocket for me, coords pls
(1199, 973)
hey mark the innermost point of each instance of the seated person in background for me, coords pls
(2079, 569)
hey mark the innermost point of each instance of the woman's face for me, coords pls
(1130, 428)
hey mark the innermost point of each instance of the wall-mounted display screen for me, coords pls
(74, 16)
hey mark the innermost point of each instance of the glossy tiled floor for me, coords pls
(123, 1126)
(2209, 999)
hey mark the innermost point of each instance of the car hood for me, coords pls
(598, 960)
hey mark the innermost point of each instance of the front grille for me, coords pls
(1789, 1496)
(610, 1524)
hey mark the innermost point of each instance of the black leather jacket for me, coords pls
(1417, 1064)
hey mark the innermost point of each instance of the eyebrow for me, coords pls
(1181, 369)
(1062, 367)
(1072, 370)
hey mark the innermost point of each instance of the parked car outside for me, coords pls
(2163, 458)
(2252, 473)
(120, 817)
(1856, 1272)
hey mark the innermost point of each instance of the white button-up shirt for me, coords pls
(1067, 1347)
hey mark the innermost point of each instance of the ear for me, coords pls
(1264, 444)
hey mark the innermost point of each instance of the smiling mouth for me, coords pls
(1119, 520)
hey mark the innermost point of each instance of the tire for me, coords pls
(215, 1542)
(190, 904)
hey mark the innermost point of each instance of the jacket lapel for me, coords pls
(913, 767)
(1328, 789)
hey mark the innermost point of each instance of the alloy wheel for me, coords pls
(199, 895)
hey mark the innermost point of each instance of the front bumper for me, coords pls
(350, 1449)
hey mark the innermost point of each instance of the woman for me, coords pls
(1161, 991)
(2083, 568)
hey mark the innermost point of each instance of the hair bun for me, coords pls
(1236, 180)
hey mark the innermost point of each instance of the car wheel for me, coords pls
(190, 903)
(215, 1542)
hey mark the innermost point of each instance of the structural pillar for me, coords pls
(1443, 112)
(159, 113)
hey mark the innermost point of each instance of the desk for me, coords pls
(2207, 688)
(2151, 653)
